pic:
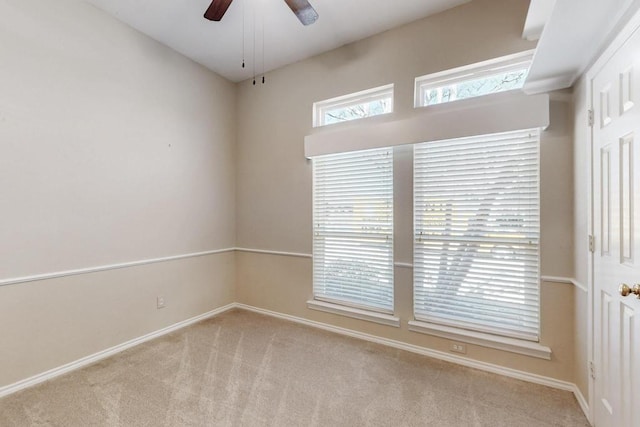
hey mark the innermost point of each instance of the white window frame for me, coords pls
(351, 100)
(465, 73)
(461, 328)
(335, 304)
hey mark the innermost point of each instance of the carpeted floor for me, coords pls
(244, 369)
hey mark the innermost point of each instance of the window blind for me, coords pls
(476, 224)
(353, 229)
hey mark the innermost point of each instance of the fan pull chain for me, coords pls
(254, 43)
(244, 17)
(263, 46)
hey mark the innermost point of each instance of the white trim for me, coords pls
(534, 87)
(403, 264)
(624, 28)
(469, 70)
(488, 68)
(484, 366)
(80, 363)
(356, 313)
(556, 53)
(557, 279)
(537, 17)
(579, 285)
(66, 273)
(269, 252)
(59, 274)
(303, 255)
(619, 36)
(440, 355)
(582, 401)
(567, 280)
(483, 115)
(357, 98)
(513, 345)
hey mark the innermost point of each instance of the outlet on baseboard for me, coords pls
(160, 302)
(457, 347)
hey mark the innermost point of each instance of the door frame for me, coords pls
(628, 24)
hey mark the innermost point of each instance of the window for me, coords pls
(357, 105)
(353, 229)
(493, 76)
(476, 225)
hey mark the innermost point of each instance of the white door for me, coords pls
(616, 181)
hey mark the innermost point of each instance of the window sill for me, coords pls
(356, 313)
(512, 345)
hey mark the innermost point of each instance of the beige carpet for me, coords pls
(245, 369)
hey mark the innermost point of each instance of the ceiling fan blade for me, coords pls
(217, 9)
(303, 10)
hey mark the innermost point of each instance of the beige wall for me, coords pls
(49, 323)
(556, 189)
(117, 149)
(274, 179)
(114, 149)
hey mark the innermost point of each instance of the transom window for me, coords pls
(484, 78)
(367, 103)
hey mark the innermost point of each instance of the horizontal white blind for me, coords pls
(353, 229)
(476, 214)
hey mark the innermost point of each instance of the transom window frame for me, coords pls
(364, 97)
(469, 72)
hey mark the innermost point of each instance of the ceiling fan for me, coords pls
(302, 9)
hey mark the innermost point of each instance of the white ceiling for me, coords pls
(180, 25)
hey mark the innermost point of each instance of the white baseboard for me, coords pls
(484, 366)
(582, 401)
(72, 366)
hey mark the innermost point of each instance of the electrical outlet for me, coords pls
(459, 348)
(160, 302)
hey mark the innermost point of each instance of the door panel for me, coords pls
(616, 160)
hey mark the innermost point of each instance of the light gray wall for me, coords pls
(113, 148)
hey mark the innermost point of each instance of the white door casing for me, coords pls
(616, 221)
